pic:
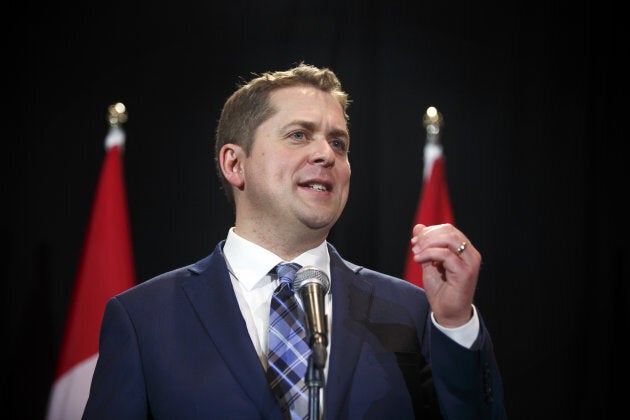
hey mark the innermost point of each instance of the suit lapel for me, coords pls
(212, 297)
(351, 302)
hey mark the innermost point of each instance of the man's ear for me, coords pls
(231, 163)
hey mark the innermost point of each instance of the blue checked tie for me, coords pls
(288, 349)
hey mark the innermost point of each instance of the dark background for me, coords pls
(532, 101)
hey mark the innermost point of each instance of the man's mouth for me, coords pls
(318, 186)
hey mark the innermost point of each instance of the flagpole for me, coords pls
(116, 116)
(433, 122)
(105, 269)
(434, 205)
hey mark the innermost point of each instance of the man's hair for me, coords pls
(250, 106)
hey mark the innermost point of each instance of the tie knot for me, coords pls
(286, 273)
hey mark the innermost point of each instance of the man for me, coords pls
(192, 343)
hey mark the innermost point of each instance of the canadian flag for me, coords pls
(106, 269)
(434, 206)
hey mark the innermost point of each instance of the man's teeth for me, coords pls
(318, 187)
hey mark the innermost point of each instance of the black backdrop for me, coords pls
(533, 141)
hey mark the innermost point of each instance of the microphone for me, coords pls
(312, 284)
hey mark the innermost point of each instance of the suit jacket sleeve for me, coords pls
(467, 381)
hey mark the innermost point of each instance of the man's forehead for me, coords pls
(289, 97)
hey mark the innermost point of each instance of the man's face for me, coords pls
(298, 173)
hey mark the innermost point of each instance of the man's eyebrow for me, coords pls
(311, 126)
(340, 133)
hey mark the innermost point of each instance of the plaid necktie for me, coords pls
(288, 349)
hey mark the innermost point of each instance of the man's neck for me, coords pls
(285, 244)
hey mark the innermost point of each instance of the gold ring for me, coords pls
(461, 248)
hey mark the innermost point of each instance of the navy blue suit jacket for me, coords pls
(177, 347)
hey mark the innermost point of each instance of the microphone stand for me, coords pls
(315, 374)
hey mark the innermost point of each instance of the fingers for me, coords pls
(450, 268)
(440, 243)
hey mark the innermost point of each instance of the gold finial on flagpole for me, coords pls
(432, 122)
(116, 114)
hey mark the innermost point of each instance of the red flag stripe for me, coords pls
(434, 206)
(105, 269)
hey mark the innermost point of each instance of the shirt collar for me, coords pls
(250, 263)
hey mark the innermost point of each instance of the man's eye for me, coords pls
(339, 144)
(298, 135)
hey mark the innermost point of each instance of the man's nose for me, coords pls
(322, 153)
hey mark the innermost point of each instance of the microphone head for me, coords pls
(308, 275)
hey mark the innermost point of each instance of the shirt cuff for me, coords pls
(464, 335)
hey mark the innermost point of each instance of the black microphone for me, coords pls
(312, 284)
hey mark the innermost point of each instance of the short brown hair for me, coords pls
(249, 106)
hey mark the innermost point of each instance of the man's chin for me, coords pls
(320, 223)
